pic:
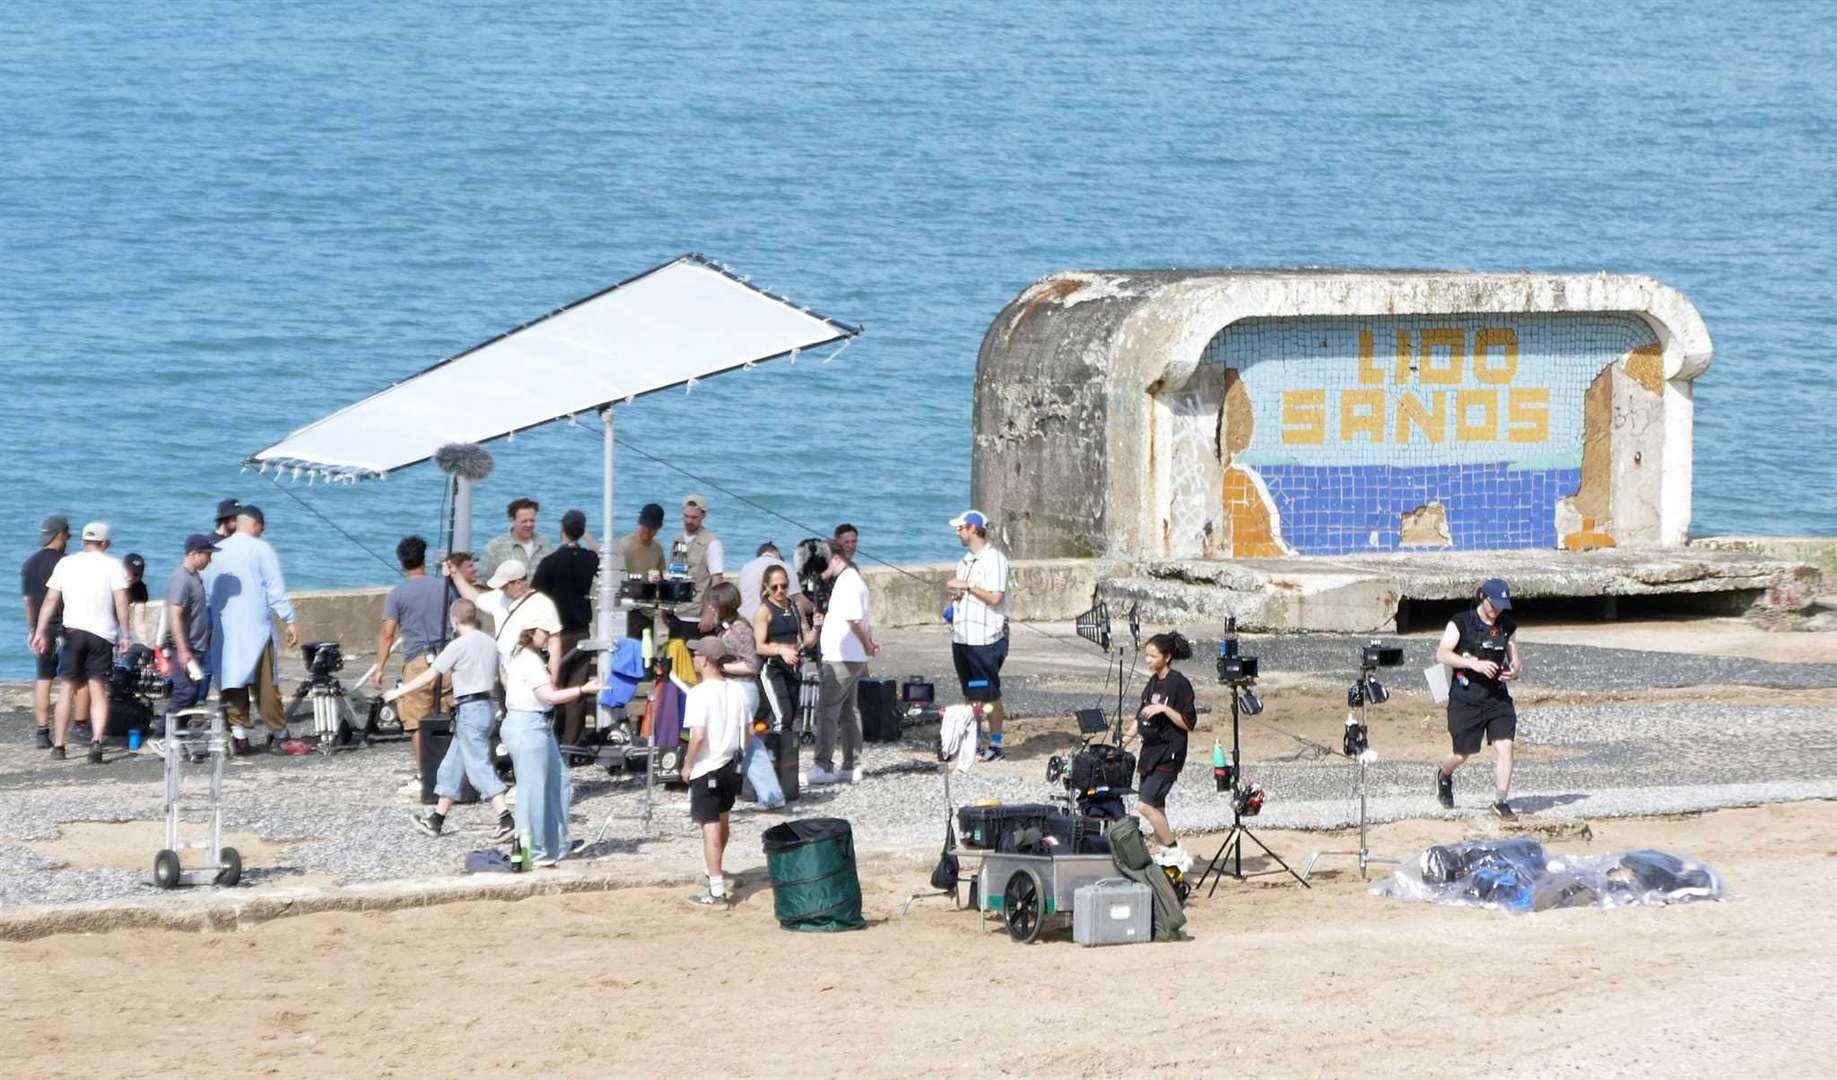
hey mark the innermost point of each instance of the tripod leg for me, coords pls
(1216, 868)
(1278, 858)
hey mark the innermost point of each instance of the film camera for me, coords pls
(1238, 671)
(809, 560)
(1367, 688)
(323, 660)
(1096, 773)
(672, 589)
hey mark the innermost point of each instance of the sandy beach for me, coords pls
(1329, 982)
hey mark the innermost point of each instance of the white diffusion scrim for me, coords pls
(685, 320)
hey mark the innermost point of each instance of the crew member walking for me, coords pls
(54, 537)
(91, 588)
(1481, 645)
(1164, 719)
(246, 594)
(188, 625)
(979, 620)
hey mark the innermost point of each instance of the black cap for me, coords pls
(58, 523)
(228, 508)
(651, 516)
(200, 542)
(252, 512)
(136, 562)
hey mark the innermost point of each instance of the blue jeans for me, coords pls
(762, 773)
(468, 756)
(543, 790)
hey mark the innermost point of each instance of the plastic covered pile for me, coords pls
(1517, 875)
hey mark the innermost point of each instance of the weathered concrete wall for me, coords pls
(1039, 590)
(1816, 551)
(1174, 414)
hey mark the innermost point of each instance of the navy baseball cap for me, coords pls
(254, 513)
(651, 516)
(200, 542)
(1499, 593)
(228, 508)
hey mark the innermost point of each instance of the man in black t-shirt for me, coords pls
(1481, 648)
(566, 576)
(54, 536)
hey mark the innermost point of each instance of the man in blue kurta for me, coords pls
(246, 591)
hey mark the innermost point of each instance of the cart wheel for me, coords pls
(669, 761)
(166, 869)
(1023, 906)
(229, 865)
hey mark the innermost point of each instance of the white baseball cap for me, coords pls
(508, 571)
(969, 517)
(95, 530)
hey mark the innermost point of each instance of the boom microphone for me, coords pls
(468, 461)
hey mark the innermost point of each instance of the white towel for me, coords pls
(957, 735)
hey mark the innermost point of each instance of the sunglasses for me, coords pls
(780, 587)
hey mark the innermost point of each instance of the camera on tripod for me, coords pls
(676, 588)
(810, 561)
(1237, 670)
(323, 660)
(1366, 688)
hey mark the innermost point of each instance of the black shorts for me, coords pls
(86, 656)
(979, 669)
(1152, 787)
(1492, 718)
(47, 661)
(713, 794)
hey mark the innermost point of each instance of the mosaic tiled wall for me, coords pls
(1374, 434)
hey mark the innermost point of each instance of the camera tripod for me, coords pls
(1357, 748)
(1229, 858)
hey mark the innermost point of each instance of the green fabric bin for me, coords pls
(812, 864)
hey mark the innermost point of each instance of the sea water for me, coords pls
(220, 221)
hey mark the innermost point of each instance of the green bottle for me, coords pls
(1221, 766)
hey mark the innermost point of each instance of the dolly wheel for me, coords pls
(229, 867)
(166, 869)
(1023, 906)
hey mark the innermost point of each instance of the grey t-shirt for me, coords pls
(185, 590)
(472, 662)
(415, 606)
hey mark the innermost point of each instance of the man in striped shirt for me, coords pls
(978, 616)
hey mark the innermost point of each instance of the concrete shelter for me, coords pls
(1209, 414)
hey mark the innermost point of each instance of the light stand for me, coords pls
(1234, 840)
(1365, 690)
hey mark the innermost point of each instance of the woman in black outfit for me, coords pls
(1164, 720)
(779, 630)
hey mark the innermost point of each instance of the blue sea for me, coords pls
(219, 221)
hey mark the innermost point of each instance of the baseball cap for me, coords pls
(508, 571)
(710, 648)
(200, 542)
(651, 516)
(228, 508)
(972, 518)
(700, 502)
(1497, 591)
(56, 523)
(95, 530)
(135, 562)
(545, 618)
(252, 512)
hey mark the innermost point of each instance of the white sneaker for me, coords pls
(413, 787)
(1174, 856)
(850, 776)
(821, 776)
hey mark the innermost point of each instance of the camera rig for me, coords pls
(335, 722)
(1364, 692)
(1239, 672)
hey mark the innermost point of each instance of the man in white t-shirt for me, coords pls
(91, 587)
(847, 642)
(978, 615)
(717, 720)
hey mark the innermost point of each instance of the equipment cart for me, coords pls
(1029, 889)
(193, 735)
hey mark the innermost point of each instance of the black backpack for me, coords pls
(944, 876)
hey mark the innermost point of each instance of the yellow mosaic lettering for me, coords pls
(1304, 417)
(1403, 357)
(1431, 420)
(1487, 429)
(1527, 414)
(1370, 374)
(1361, 412)
(1455, 341)
(1505, 339)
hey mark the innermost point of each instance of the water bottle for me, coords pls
(647, 647)
(1221, 766)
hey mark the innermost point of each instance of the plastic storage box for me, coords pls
(1113, 911)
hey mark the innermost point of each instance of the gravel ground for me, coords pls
(343, 818)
